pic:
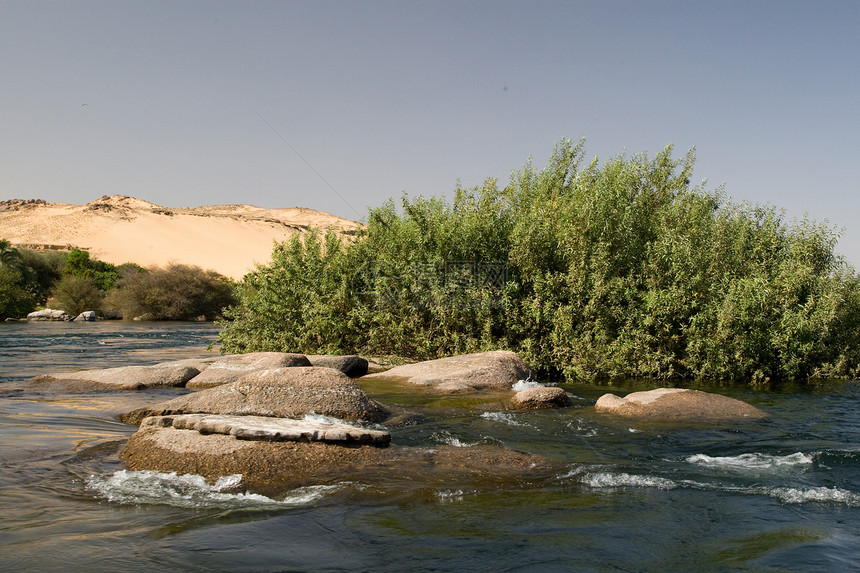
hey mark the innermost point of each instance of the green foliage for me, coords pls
(15, 298)
(75, 294)
(175, 292)
(614, 270)
(79, 263)
(15, 301)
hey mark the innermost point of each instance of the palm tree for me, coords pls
(10, 256)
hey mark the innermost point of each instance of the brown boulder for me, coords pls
(543, 397)
(230, 368)
(281, 392)
(168, 374)
(352, 366)
(677, 404)
(497, 370)
(274, 467)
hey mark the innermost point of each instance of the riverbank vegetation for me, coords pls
(588, 271)
(74, 282)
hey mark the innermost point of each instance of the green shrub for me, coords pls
(75, 294)
(175, 292)
(590, 271)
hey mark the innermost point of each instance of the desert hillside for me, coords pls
(118, 229)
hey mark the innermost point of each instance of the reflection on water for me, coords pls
(776, 495)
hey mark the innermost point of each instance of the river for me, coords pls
(776, 495)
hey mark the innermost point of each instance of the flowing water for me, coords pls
(777, 495)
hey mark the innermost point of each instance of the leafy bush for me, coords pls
(175, 292)
(589, 271)
(79, 263)
(75, 294)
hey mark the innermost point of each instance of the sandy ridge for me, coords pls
(230, 239)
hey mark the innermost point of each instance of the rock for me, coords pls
(352, 366)
(125, 377)
(231, 368)
(264, 428)
(543, 397)
(498, 370)
(47, 314)
(86, 316)
(280, 392)
(274, 467)
(677, 404)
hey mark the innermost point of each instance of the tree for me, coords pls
(75, 294)
(175, 292)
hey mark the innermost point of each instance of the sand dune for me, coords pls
(227, 238)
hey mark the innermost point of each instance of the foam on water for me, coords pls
(615, 480)
(447, 438)
(502, 417)
(521, 385)
(753, 461)
(190, 491)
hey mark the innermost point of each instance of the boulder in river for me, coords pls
(677, 404)
(541, 398)
(271, 467)
(280, 392)
(351, 365)
(496, 370)
(167, 374)
(231, 368)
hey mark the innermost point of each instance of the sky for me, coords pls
(340, 105)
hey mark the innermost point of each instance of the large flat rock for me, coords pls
(168, 374)
(268, 429)
(495, 370)
(274, 467)
(281, 393)
(677, 404)
(230, 368)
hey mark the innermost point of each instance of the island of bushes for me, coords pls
(588, 271)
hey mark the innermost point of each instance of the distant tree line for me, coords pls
(588, 271)
(75, 282)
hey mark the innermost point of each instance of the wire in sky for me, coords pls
(354, 210)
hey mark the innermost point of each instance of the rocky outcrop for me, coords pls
(86, 316)
(280, 392)
(677, 404)
(541, 398)
(352, 366)
(48, 314)
(168, 374)
(230, 368)
(272, 467)
(267, 429)
(496, 370)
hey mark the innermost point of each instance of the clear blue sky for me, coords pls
(339, 105)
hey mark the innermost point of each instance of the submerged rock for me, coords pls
(280, 392)
(230, 368)
(497, 370)
(677, 404)
(168, 374)
(539, 398)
